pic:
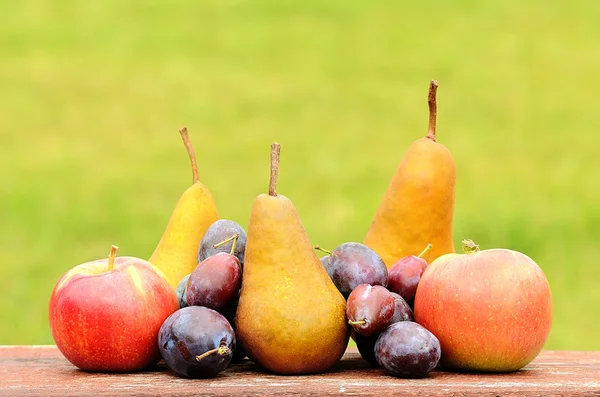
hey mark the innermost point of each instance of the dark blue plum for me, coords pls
(196, 342)
(181, 288)
(402, 310)
(407, 349)
(352, 264)
(366, 344)
(218, 232)
(366, 347)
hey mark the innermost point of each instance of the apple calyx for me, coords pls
(233, 238)
(431, 101)
(221, 350)
(111, 257)
(425, 250)
(318, 248)
(275, 150)
(469, 246)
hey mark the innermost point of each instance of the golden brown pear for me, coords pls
(418, 206)
(291, 318)
(177, 252)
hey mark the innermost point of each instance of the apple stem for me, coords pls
(469, 246)
(275, 150)
(111, 257)
(425, 250)
(431, 101)
(361, 322)
(190, 149)
(221, 350)
(318, 248)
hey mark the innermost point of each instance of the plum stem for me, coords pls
(361, 322)
(111, 257)
(233, 238)
(275, 151)
(221, 350)
(469, 246)
(190, 149)
(431, 101)
(425, 250)
(318, 248)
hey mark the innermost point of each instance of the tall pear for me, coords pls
(177, 252)
(418, 206)
(291, 319)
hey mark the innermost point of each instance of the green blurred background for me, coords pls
(92, 95)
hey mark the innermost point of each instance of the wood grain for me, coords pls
(42, 370)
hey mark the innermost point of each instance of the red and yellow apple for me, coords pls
(491, 310)
(105, 315)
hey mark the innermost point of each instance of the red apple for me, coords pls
(105, 315)
(491, 310)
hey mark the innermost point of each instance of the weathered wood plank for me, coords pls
(41, 370)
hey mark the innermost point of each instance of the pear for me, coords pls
(291, 317)
(176, 253)
(418, 206)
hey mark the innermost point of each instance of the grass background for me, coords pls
(92, 95)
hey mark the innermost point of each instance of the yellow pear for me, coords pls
(291, 319)
(418, 206)
(177, 252)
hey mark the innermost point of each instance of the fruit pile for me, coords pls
(211, 294)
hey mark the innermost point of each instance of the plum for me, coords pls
(370, 309)
(196, 342)
(215, 282)
(407, 349)
(221, 231)
(352, 264)
(181, 292)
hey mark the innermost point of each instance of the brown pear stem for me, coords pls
(221, 350)
(190, 149)
(111, 257)
(431, 101)
(361, 322)
(425, 250)
(318, 248)
(275, 150)
(469, 246)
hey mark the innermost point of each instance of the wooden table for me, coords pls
(43, 371)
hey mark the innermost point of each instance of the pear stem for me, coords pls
(275, 150)
(431, 101)
(361, 322)
(190, 149)
(318, 248)
(111, 257)
(222, 350)
(469, 246)
(425, 250)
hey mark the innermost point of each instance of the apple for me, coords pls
(490, 309)
(105, 315)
